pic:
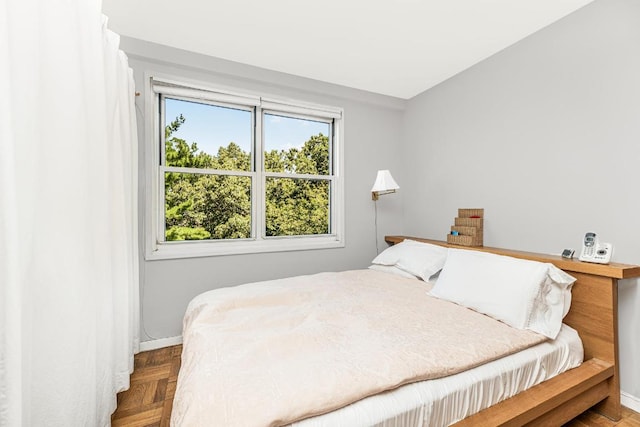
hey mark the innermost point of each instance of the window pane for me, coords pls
(207, 136)
(297, 206)
(296, 145)
(206, 207)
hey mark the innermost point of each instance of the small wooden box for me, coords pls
(463, 240)
(468, 213)
(469, 222)
(467, 231)
(469, 228)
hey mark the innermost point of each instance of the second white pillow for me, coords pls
(521, 293)
(418, 258)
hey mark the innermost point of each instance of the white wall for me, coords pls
(372, 134)
(545, 136)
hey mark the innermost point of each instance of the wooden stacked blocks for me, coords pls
(468, 228)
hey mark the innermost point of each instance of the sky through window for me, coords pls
(211, 127)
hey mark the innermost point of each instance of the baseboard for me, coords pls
(160, 343)
(630, 401)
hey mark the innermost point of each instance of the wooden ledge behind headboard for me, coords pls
(612, 270)
(594, 308)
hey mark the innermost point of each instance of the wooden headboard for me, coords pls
(594, 314)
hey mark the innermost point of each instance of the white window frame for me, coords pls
(156, 248)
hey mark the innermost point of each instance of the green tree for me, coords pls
(298, 206)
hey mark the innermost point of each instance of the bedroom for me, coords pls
(508, 134)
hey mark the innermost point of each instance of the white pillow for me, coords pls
(392, 269)
(521, 293)
(418, 258)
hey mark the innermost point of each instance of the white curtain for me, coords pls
(68, 215)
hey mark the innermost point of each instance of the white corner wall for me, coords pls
(372, 128)
(545, 136)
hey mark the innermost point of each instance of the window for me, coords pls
(241, 173)
(297, 164)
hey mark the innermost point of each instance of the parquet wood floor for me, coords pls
(150, 397)
(591, 419)
(148, 401)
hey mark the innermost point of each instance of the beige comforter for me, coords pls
(270, 353)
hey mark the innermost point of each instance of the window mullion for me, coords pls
(259, 198)
(333, 200)
(161, 202)
(161, 224)
(298, 176)
(163, 136)
(203, 171)
(331, 148)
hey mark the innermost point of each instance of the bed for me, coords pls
(212, 369)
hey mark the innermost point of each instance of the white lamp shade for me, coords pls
(384, 182)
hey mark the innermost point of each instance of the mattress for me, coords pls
(443, 401)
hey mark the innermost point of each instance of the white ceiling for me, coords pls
(392, 47)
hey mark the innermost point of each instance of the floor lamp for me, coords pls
(384, 184)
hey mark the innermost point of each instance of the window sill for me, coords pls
(194, 249)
